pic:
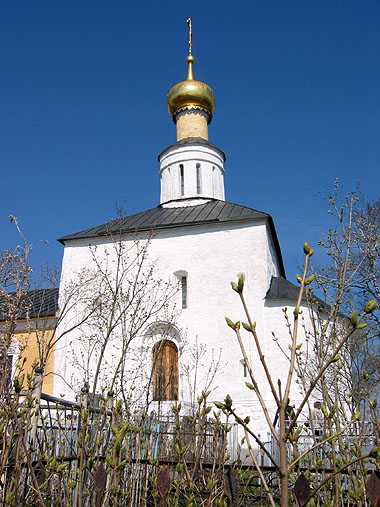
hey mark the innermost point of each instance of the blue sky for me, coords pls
(83, 109)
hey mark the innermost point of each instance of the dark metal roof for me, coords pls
(33, 304)
(211, 212)
(281, 289)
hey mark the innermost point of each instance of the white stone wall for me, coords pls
(211, 166)
(211, 258)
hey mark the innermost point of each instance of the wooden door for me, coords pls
(165, 371)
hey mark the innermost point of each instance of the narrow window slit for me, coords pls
(199, 178)
(245, 368)
(184, 291)
(182, 176)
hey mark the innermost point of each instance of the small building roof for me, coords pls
(33, 304)
(281, 289)
(162, 218)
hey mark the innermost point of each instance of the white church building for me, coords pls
(197, 244)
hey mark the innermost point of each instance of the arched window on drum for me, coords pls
(165, 371)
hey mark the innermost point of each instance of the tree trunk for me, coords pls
(284, 471)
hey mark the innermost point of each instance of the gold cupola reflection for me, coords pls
(191, 103)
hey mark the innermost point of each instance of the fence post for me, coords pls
(108, 420)
(109, 403)
(36, 398)
(77, 493)
(84, 397)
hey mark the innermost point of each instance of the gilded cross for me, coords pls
(190, 35)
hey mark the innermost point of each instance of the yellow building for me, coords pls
(33, 333)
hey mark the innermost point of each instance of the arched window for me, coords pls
(165, 371)
(198, 169)
(182, 180)
(183, 285)
(9, 365)
(214, 183)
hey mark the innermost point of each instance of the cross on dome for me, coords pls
(191, 94)
(190, 35)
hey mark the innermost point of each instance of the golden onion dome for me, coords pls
(191, 94)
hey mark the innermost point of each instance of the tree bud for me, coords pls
(354, 318)
(299, 278)
(370, 306)
(241, 283)
(366, 377)
(228, 401)
(246, 326)
(17, 385)
(230, 323)
(309, 280)
(234, 287)
(306, 248)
